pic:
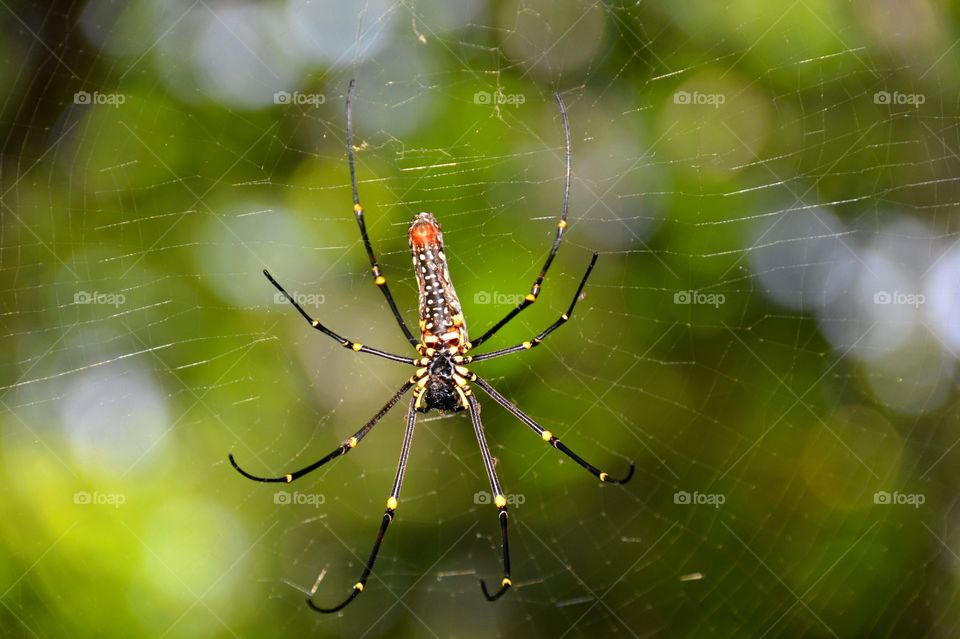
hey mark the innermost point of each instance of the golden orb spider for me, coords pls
(442, 379)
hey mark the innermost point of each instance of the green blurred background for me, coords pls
(771, 332)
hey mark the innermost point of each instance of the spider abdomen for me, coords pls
(442, 326)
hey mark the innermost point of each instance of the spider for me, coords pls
(442, 379)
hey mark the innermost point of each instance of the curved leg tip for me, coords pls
(604, 477)
(236, 466)
(337, 608)
(504, 587)
(268, 480)
(233, 462)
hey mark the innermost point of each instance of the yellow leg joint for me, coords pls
(562, 224)
(380, 281)
(530, 297)
(463, 396)
(527, 345)
(603, 476)
(500, 501)
(357, 346)
(506, 582)
(352, 442)
(315, 323)
(357, 208)
(392, 503)
(546, 435)
(288, 477)
(358, 587)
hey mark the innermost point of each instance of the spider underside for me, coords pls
(442, 380)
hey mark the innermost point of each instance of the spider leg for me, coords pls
(342, 449)
(378, 277)
(531, 297)
(498, 499)
(549, 437)
(539, 338)
(392, 503)
(360, 348)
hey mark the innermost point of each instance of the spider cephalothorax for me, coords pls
(441, 383)
(442, 379)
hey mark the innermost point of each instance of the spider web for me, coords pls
(771, 331)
